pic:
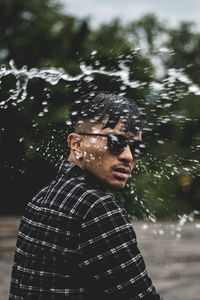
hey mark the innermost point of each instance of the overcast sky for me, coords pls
(102, 11)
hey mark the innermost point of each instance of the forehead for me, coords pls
(119, 128)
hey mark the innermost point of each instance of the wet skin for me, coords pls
(91, 154)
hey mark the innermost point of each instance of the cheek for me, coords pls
(93, 153)
(134, 163)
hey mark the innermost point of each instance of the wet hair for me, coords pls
(98, 106)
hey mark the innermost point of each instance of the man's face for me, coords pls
(112, 169)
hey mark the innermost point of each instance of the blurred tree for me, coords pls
(33, 136)
(185, 43)
(37, 34)
(173, 112)
(147, 32)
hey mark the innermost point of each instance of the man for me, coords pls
(75, 241)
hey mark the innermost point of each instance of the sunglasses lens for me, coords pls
(116, 143)
(138, 149)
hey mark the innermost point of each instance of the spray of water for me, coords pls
(162, 95)
(53, 76)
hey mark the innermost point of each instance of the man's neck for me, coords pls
(74, 160)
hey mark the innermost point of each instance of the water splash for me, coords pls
(54, 75)
(173, 228)
(161, 95)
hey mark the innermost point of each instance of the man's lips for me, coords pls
(122, 172)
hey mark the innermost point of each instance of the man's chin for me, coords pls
(116, 186)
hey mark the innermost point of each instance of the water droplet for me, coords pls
(94, 52)
(74, 113)
(145, 226)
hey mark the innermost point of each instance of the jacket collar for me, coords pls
(71, 169)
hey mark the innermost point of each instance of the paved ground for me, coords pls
(171, 252)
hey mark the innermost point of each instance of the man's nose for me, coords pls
(126, 154)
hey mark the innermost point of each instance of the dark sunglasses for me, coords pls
(117, 143)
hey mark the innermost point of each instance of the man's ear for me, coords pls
(73, 140)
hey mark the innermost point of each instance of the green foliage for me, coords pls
(33, 137)
(147, 29)
(185, 43)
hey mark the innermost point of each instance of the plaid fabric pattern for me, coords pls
(76, 242)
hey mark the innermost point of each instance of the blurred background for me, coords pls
(53, 51)
(162, 59)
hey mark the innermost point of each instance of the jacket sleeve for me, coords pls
(110, 260)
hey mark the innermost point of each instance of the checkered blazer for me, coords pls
(76, 242)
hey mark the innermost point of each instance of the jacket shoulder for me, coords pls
(70, 196)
